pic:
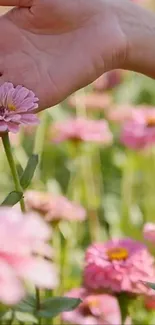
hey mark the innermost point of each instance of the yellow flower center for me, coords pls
(118, 253)
(151, 121)
(11, 107)
(93, 302)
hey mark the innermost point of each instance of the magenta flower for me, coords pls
(119, 265)
(54, 208)
(94, 310)
(23, 239)
(17, 105)
(139, 133)
(81, 129)
(149, 232)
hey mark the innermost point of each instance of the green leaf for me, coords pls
(25, 318)
(19, 170)
(53, 306)
(29, 171)
(150, 285)
(27, 305)
(12, 198)
(7, 316)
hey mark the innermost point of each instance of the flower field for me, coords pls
(82, 250)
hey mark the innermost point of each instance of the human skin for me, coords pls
(55, 47)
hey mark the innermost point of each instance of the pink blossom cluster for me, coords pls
(139, 132)
(111, 268)
(82, 129)
(121, 265)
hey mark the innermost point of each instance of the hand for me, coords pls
(55, 47)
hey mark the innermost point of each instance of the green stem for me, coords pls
(38, 304)
(38, 149)
(124, 302)
(94, 224)
(63, 261)
(148, 160)
(8, 151)
(10, 322)
(40, 135)
(91, 196)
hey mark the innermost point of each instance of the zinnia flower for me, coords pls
(23, 239)
(149, 232)
(139, 133)
(91, 101)
(80, 129)
(17, 105)
(120, 113)
(119, 265)
(94, 310)
(53, 207)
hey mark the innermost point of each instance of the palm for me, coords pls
(54, 52)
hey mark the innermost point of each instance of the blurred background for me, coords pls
(95, 166)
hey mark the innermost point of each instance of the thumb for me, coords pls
(16, 3)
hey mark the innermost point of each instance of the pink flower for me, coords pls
(127, 113)
(23, 239)
(81, 129)
(139, 133)
(119, 265)
(17, 105)
(149, 232)
(108, 80)
(94, 310)
(121, 113)
(53, 207)
(91, 101)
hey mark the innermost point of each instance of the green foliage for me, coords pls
(52, 307)
(12, 198)
(29, 171)
(151, 285)
(115, 183)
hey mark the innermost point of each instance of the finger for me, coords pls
(16, 3)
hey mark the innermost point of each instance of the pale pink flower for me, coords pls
(108, 80)
(17, 105)
(119, 265)
(94, 310)
(127, 113)
(91, 101)
(54, 208)
(139, 133)
(23, 239)
(121, 113)
(82, 129)
(149, 232)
